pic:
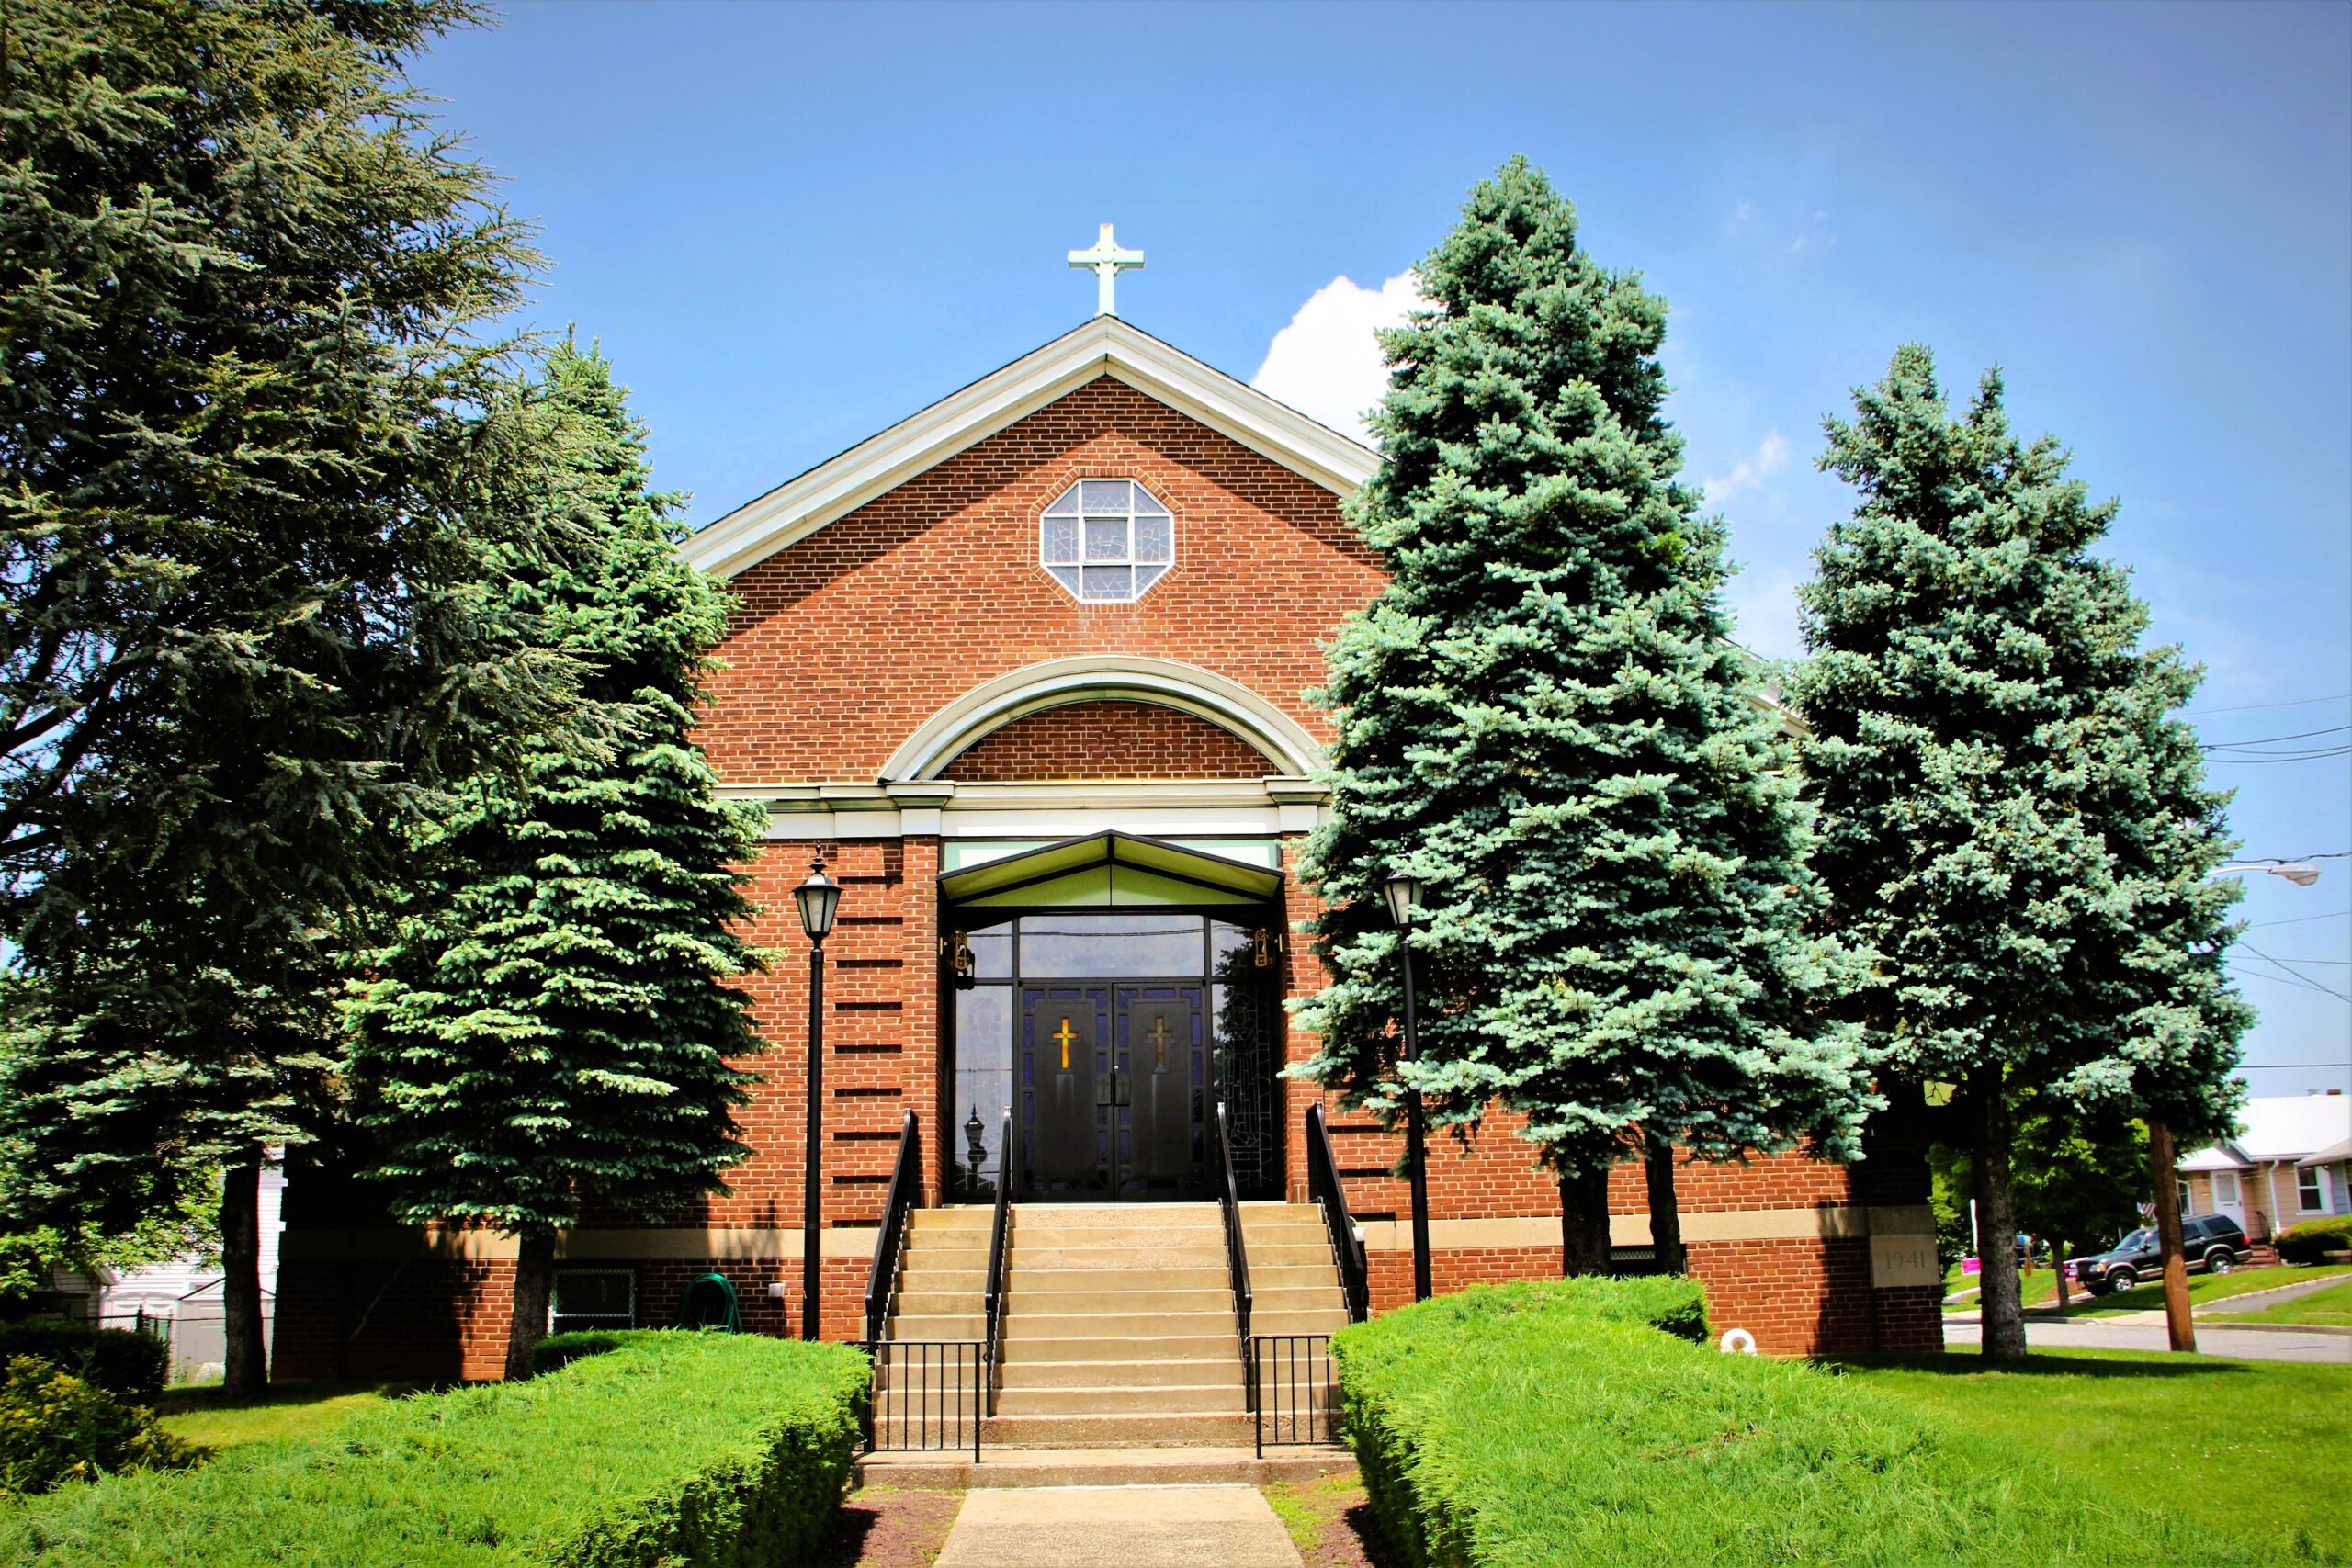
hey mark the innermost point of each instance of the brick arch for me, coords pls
(1107, 739)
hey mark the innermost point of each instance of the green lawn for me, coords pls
(2189, 1430)
(2333, 1305)
(288, 1410)
(2203, 1288)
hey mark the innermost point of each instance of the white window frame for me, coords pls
(2236, 1194)
(2188, 1206)
(561, 1273)
(2318, 1190)
(1070, 572)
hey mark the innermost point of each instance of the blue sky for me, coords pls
(793, 225)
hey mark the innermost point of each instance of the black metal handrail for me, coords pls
(1347, 1248)
(1000, 1264)
(926, 1394)
(1291, 1393)
(1237, 1254)
(906, 1192)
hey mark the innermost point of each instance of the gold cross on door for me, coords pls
(1064, 1036)
(1160, 1037)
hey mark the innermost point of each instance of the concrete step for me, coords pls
(1315, 1254)
(981, 1217)
(937, 1304)
(1144, 1238)
(957, 1325)
(1326, 1322)
(1223, 1346)
(1297, 1298)
(1159, 1399)
(1028, 1282)
(1198, 1370)
(1185, 1429)
(1026, 1298)
(1002, 1467)
(1030, 1255)
(1122, 1327)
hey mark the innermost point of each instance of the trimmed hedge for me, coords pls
(2310, 1241)
(1539, 1424)
(716, 1450)
(116, 1360)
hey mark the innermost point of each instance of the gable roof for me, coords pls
(2278, 1127)
(1103, 346)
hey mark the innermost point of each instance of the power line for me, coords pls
(2244, 972)
(2288, 757)
(2297, 974)
(2300, 919)
(2249, 707)
(2274, 739)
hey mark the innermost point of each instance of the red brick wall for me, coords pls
(845, 643)
(1108, 740)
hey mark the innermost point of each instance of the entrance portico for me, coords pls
(1108, 991)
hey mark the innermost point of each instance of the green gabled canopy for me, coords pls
(1110, 871)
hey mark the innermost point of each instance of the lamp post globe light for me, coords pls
(817, 896)
(1403, 894)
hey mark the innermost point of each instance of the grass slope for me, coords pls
(2251, 1453)
(1530, 1425)
(2203, 1288)
(288, 1411)
(2333, 1306)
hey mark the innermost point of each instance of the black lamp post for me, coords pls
(1404, 895)
(817, 898)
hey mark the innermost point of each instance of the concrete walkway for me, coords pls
(1132, 1527)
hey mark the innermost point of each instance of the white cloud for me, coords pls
(1326, 364)
(1772, 455)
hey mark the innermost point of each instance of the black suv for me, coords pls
(2214, 1242)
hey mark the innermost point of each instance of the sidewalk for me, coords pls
(1134, 1527)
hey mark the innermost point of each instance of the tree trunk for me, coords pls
(1584, 1223)
(1666, 1210)
(2179, 1324)
(245, 1357)
(2001, 1301)
(533, 1278)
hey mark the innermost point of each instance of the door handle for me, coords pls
(1121, 1088)
(1104, 1088)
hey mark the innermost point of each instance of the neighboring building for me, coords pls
(2290, 1161)
(185, 1292)
(1027, 669)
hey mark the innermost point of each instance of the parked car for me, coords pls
(2214, 1242)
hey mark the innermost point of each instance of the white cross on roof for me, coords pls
(1105, 260)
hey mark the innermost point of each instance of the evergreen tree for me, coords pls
(552, 1032)
(2009, 816)
(1540, 716)
(244, 627)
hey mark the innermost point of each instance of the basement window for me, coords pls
(1106, 541)
(591, 1298)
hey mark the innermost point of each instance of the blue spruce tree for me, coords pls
(1540, 716)
(2010, 817)
(553, 1030)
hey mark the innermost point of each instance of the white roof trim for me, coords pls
(1103, 346)
(1188, 688)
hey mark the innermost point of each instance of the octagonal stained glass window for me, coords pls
(1106, 540)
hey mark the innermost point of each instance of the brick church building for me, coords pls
(1026, 670)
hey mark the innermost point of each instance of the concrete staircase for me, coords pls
(1119, 1322)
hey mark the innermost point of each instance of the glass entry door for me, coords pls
(1112, 1083)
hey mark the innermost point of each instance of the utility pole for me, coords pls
(2177, 1321)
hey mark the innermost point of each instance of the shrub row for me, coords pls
(2312, 1240)
(121, 1362)
(709, 1450)
(1548, 1422)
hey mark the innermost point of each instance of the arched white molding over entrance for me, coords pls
(1287, 747)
